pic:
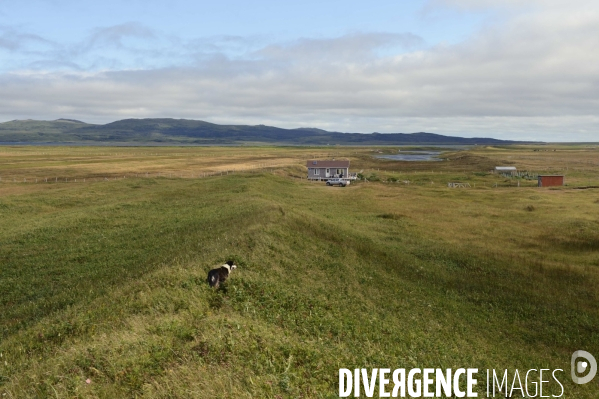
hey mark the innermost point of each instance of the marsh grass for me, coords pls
(106, 281)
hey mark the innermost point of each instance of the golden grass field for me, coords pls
(102, 279)
(578, 162)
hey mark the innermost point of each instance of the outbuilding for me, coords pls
(506, 170)
(551, 180)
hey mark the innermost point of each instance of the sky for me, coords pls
(473, 68)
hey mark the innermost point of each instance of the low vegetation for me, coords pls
(186, 131)
(103, 292)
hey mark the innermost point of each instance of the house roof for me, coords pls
(505, 168)
(314, 163)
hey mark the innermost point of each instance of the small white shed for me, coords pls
(506, 169)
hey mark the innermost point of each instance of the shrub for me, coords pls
(392, 216)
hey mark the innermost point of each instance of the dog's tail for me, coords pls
(213, 279)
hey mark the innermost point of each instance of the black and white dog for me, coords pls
(219, 274)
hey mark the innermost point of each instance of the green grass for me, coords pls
(106, 281)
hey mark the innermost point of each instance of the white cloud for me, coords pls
(531, 76)
(14, 40)
(356, 47)
(113, 36)
(518, 4)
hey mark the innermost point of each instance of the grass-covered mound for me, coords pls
(105, 282)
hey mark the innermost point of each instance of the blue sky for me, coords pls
(461, 67)
(106, 34)
(65, 21)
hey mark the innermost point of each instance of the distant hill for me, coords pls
(185, 131)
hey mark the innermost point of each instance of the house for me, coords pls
(508, 170)
(324, 170)
(551, 180)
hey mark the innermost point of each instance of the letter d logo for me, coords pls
(582, 365)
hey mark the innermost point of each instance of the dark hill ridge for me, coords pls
(186, 131)
(69, 120)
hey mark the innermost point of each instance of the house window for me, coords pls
(316, 171)
(340, 171)
(328, 171)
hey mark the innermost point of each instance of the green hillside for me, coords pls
(38, 131)
(105, 282)
(182, 131)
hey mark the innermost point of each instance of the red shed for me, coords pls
(551, 180)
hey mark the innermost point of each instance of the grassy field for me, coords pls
(102, 279)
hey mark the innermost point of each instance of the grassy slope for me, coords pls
(185, 131)
(39, 131)
(106, 281)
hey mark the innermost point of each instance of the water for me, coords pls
(413, 156)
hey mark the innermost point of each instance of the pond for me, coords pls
(413, 156)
